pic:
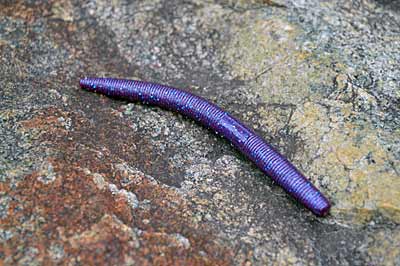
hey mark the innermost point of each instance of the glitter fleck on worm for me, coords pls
(244, 139)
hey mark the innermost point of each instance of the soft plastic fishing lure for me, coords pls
(246, 140)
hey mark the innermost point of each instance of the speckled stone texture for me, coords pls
(86, 180)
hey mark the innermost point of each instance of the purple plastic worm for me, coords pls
(246, 140)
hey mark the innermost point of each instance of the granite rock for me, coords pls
(90, 180)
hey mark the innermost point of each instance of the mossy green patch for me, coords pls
(344, 153)
(266, 52)
(362, 181)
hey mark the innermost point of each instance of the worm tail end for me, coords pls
(88, 84)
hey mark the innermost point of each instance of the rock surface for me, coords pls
(90, 180)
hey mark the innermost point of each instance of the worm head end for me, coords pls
(323, 210)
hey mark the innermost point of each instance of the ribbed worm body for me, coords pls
(249, 143)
